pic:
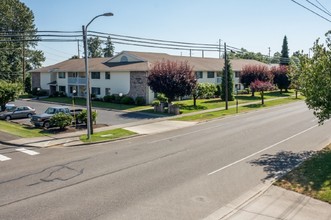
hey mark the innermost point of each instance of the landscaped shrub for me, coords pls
(218, 90)
(126, 100)
(161, 97)
(140, 101)
(82, 116)
(61, 120)
(156, 103)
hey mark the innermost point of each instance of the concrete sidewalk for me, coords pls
(275, 203)
(72, 139)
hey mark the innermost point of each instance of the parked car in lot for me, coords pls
(17, 112)
(43, 120)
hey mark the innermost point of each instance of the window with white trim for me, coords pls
(107, 75)
(199, 74)
(96, 90)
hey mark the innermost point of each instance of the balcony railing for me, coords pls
(76, 80)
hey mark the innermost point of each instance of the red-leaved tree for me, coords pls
(281, 77)
(251, 73)
(173, 79)
(261, 86)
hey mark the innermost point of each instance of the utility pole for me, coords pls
(226, 79)
(23, 60)
(190, 52)
(269, 55)
(78, 49)
(203, 53)
(219, 49)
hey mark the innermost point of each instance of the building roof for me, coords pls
(143, 61)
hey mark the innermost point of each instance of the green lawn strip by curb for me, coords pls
(312, 177)
(19, 130)
(107, 135)
(231, 111)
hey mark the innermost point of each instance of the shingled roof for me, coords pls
(147, 61)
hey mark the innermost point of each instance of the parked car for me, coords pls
(43, 120)
(13, 112)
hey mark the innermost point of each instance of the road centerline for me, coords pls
(264, 149)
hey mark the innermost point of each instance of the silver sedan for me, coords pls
(18, 112)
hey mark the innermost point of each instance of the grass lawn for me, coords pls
(312, 177)
(19, 130)
(232, 110)
(187, 106)
(107, 135)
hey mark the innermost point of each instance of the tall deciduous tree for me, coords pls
(285, 59)
(281, 77)
(251, 73)
(9, 92)
(18, 41)
(173, 79)
(229, 82)
(315, 79)
(203, 90)
(108, 51)
(94, 47)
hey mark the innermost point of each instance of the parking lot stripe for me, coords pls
(4, 158)
(26, 151)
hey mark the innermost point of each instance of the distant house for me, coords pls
(125, 73)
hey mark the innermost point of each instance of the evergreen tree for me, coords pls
(108, 51)
(230, 82)
(285, 59)
(19, 40)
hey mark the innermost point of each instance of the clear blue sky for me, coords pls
(254, 25)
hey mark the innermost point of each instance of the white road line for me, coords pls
(26, 151)
(4, 158)
(258, 152)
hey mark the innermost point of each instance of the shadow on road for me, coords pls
(277, 165)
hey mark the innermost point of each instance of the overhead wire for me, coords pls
(311, 10)
(328, 13)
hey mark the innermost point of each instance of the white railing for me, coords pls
(76, 80)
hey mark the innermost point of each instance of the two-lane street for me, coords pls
(181, 174)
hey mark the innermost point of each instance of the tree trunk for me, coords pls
(194, 101)
(262, 97)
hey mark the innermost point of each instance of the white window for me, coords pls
(199, 74)
(210, 74)
(107, 75)
(107, 91)
(62, 75)
(95, 75)
(96, 90)
(62, 89)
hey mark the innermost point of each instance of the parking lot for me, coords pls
(107, 117)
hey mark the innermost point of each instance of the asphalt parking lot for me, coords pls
(107, 117)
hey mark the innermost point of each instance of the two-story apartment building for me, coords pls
(125, 73)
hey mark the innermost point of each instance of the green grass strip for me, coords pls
(19, 130)
(107, 135)
(312, 177)
(231, 111)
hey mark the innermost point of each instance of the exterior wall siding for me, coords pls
(119, 82)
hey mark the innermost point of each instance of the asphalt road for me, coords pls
(181, 174)
(108, 117)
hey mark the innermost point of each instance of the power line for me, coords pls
(318, 8)
(311, 11)
(323, 6)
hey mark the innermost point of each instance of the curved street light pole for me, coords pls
(88, 77)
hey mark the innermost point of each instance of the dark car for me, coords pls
(18, 112)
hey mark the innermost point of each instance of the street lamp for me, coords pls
(73, 105)
(38, 91)
(88, 85)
